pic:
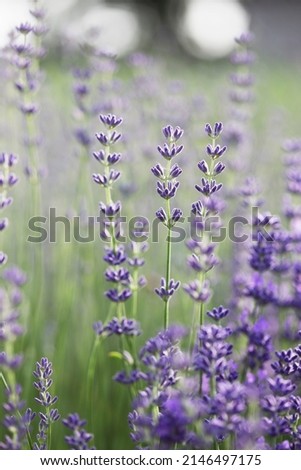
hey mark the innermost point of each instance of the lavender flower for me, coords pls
(115, 254)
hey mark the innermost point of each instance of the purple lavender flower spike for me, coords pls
(167, 190)
(215, 152)
(215, 131)
(110, 120)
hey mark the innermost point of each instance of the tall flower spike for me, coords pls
(110, 211)
(202, 258)
(167, 187)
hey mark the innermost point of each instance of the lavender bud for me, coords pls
(197, 208)
(208, 187)
(3, 258)
(100, 156)
(218, 313)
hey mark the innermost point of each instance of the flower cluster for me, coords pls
(16, 422)
(26, 52)
(80, 438)
(123, 326)
(241, 97)
(43, 382)
(115, 254)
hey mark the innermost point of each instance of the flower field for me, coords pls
(150, 283)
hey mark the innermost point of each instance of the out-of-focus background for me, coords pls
(201, 28)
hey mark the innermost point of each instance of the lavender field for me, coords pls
(150, 284)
